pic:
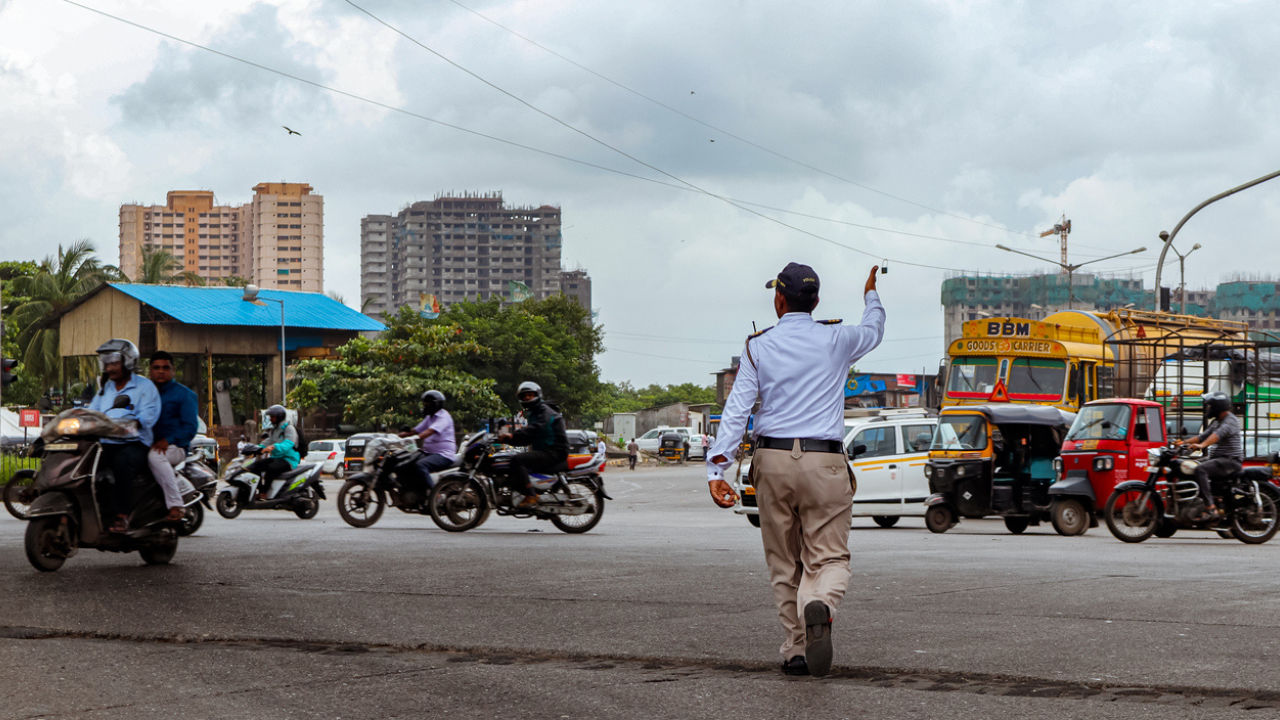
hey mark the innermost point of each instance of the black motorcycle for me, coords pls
(64, 515)
(571, 497)
(388, 473)
(1169, 500)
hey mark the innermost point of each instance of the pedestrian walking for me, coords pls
(633, 449)
(804, 487)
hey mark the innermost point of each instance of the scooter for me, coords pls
(197, 484)
(64, 515)
(298, 490)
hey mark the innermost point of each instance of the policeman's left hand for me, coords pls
(722, 494)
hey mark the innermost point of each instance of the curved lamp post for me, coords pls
(1168, 240)
(1070, 269)
(251, 295)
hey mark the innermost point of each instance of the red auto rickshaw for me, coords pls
(1107, 445)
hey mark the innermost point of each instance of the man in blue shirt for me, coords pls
(173, 431)
(125, 456)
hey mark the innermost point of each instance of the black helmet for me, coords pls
(276, 414)
(117, 350)
(432, 401)
(1214, 404)
(526, 387)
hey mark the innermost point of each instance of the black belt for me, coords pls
(806, 444)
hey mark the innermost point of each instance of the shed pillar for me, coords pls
(273, 381)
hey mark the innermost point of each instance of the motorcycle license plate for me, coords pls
(60, 447)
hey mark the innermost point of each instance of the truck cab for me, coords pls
(1106, 445)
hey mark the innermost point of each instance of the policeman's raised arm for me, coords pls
(867, 334)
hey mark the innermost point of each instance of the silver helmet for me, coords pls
(527, 387)
(117, 350)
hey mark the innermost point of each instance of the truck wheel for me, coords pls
(939, 518)
(1069, 517)
(885, 521)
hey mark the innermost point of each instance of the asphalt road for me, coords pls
(663, 610)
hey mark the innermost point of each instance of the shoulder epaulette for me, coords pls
(755, 335)
(836, 321)
(751, 337)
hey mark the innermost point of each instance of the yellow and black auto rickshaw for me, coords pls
(673, 446)
(993, 460)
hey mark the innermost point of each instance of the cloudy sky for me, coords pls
(853, 128)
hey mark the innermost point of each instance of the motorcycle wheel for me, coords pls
(161, 552)
(885, 521)
(360, 505)
(587, 520)
(20, 481)
(41, 542)
(1017, 525)
(939, 518)
(227, 506)
(1166, 530)
(307, 505)
(458, 505)
(1131, 517)
(191, 520)
(1069, 517)
(1255, 526)
(1225, 534)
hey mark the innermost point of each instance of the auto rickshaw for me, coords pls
(673, 446)
(207, 449)
(993, 460)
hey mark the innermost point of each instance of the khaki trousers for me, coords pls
(806, 505)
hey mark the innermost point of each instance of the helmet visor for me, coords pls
(105, 359)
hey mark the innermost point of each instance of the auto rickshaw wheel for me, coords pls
(885, 521)
(1017, 525)
(754, 520)
(939, 518)
(1069, 517)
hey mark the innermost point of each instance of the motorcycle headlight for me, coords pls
(1103, 463)
(1153, 456)
(69, 426)
(1188, 467)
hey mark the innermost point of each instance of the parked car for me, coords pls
(890, 471)
(699, 445)
(331, 454)
(650, 441)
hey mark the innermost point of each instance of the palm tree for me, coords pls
(160, 267)
(335, 295)
(59, 281)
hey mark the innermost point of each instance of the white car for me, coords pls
(699, 445)
(330, 453)
(890, 471)
(649, 441)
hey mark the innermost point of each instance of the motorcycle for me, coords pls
(1169, 500)
(64, 515)
(298, 490)
(572, 497)
(388, 473)
(196, 484)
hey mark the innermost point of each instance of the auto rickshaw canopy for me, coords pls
(1017, 414)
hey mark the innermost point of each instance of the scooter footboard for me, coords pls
(50, 504)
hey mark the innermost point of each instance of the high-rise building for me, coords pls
(463, 247)
(274, 241)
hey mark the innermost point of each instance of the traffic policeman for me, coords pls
(804, 487)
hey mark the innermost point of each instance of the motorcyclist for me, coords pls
(173, 431)
(545, 436)
(1226, 447)
(280, 444)
(439, 443)
(124, 456)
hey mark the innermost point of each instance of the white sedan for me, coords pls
(330, 453)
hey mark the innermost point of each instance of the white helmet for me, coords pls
(117, 350)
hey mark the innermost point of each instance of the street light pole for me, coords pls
(1072, 267)
(1182, 273)
(1168, 239)
(251, 295)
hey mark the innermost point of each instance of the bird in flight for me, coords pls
(291, 131)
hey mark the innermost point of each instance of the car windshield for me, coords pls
(972, 375)
(320, 447)
(1037, 378)
(960, 432)
(1101, 422)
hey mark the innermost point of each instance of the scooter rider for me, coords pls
(125, 456)
(544, 435)
(1226, 446)
(280, 446)
(173, 431)
(439, 443)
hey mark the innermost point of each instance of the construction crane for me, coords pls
(1062, 229)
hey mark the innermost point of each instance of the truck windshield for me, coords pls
(1038, 379)
(1101, 422)
(972, 375)
(960, 432)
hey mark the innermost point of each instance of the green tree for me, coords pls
(552, 342)
(59, 281)
(26, 389)
(160, 267)
(378, 383)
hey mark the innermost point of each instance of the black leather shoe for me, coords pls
(795, 666)
(817, 638)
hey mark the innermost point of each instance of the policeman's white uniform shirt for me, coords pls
(798, 368)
